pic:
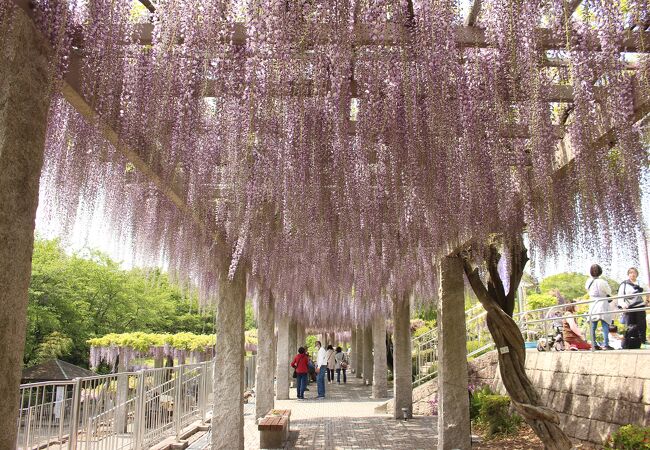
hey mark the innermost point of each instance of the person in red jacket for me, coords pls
(301, 364)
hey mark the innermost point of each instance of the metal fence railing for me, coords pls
(534, 324)
(542, 322)
(128, 410)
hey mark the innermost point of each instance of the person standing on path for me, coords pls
(331, 364)
(341, 365)
(634, 319)
(300, 364)
(599, 311)
(321, 369)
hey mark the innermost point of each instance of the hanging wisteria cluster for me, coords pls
(337, 150)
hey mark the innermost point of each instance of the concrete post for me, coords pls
(122, 393)
(380, 379)
(228, 381)
(358, 349)
(24, 102)
(264, 401)
(402, 377)
(282, 369)
(368, 366)
(353, 344)
(453, 401)
(293, 346)
(300, 336)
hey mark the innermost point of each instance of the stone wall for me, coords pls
(593, 392)
(480, 371)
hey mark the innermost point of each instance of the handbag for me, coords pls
(295, 375)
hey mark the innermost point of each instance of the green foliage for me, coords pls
(493, 412)
(629, 437)
(73, 298)
(476, 400)
(249, 321)
(570, 284)
(311, 345)
(142, 342)
(54, 345)
(536, 301)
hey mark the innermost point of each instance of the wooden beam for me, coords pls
(641, 108)
(470, 20)
(396, 34)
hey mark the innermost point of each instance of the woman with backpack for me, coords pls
(341, 365)
(635, 320)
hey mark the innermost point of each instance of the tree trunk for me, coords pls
(24, 102)
(510, 345)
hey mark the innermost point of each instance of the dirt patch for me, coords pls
(524, 439)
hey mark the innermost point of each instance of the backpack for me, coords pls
(632, 338)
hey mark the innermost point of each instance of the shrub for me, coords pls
(629, 437)
(476, 400)
(493, 412)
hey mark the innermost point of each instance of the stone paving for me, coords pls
(346, 419)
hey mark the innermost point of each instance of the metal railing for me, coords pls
(551, 317)
(533, 324)
(128, 410)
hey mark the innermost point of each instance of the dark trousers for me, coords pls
(338, 375)
(301, 384)
(330, 374)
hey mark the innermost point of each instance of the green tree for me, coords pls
(73, 298)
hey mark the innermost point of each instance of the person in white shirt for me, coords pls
(321, 369)
(634, 319)
(599, 310)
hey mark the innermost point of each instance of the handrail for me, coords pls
(120, 410)
(523, 318)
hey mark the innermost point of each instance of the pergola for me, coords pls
(335, 158)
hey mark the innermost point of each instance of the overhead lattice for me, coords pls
(220, 132)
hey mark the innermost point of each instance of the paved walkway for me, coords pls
(346, 419)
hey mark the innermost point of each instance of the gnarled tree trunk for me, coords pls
(510, 343)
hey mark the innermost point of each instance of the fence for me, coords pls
(128, 410)
(534, 324)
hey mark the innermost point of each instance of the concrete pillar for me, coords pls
(368, 366)
(300, 336)
(122, 393)
(282, 368)
(402, 377)
(228, 392)
(358, 348)
(293, 346)
(264, 401)
(453, 402)
(24, 101)
(380, 379)
(353, 344)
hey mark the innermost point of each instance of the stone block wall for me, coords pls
(593, 392)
